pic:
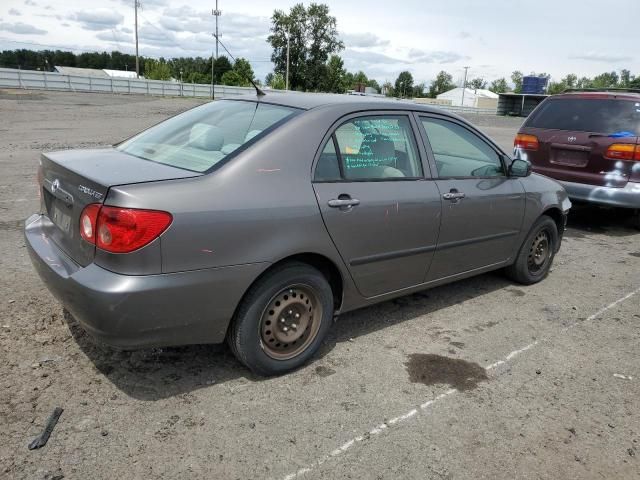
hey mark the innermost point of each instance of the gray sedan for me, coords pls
(258, 220)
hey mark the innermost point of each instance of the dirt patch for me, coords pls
(324, 371)
(431, 369)
(516, 292)
(635, 254)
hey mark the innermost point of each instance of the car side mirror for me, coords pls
(520, 168)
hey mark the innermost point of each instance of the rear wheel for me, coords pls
(536, 254)
(281, 322)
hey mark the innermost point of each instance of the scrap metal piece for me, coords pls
(41, 440)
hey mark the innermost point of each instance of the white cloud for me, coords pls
(602, 57)
(362, 40)
(422, 56)
(21, 28)
(13, 11)
(98, 18)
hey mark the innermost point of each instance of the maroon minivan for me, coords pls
(587, 141)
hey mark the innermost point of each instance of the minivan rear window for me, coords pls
(598, 115)
(201, 138)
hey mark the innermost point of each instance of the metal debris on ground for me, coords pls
(41, 440)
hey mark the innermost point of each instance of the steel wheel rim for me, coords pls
(290, 322)
(539, 252)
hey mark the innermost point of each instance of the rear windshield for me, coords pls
(200, 138)
(605, 116)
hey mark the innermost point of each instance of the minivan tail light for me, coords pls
(526, 142)
(623, 151)
(121, 230)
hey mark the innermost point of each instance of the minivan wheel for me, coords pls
(536, 253)
(281, 322)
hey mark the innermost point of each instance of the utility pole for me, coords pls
(216, 13)
(464, 84)
(287, 79)
(136, 4)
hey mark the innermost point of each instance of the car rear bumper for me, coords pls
(133, 311)
(625, 197)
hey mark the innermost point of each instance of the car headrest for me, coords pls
(206, 137)
(382, 148)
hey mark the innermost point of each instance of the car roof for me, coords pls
(612, 94)
(308, 101)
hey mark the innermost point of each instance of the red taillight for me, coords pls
(121, 230)
(88, 220)
(526, 142)
(623, 151)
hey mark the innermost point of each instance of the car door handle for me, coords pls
(453, 195)
(343, 202)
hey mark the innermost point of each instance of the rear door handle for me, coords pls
(453, 195)
(343, 202)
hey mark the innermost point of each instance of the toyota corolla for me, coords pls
(258, 220)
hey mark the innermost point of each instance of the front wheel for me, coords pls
(536, 253)
(281, 322)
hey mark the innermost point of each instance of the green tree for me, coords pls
(243, 68)
(418, 90)
(477, 83)
(499, 85)
(157, 69)
(276, 81)
(403, 86)
(605, 80)
(387, 88)
(313, 37)
(233, 78)
(442, 83)
(335, 80)
(373, 84)
(221, 65)
(516, 78)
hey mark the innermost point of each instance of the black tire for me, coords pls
(248, 334)
(635, 219)
(529, 267)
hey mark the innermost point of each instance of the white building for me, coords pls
(479, 98)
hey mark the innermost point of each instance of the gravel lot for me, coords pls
(478, 379)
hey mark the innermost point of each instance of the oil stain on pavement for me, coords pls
(431, 369)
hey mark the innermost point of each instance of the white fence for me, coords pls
(35, 80)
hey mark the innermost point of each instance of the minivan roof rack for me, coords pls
(622, 90)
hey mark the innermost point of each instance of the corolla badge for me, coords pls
(572, 139)
(55, 185)
(90, 191)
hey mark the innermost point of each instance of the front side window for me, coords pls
(458, 152)
(200, 138)
(372, 148)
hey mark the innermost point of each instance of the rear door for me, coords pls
(482, 208)
(574, 133)
(381, 212)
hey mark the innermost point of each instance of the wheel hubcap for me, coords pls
(539, 252)
(290, 322)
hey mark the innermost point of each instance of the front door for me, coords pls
(381, 212)
(482, 208)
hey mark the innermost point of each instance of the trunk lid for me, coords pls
(72, 179)
(579, 157)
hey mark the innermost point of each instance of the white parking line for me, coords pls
(411, 413)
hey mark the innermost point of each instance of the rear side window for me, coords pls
(200, 138)
(380, 147)
(458, 152)
(597, 115)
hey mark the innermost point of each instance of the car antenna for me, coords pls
(259, 92)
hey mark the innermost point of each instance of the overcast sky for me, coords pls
(382, 37)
